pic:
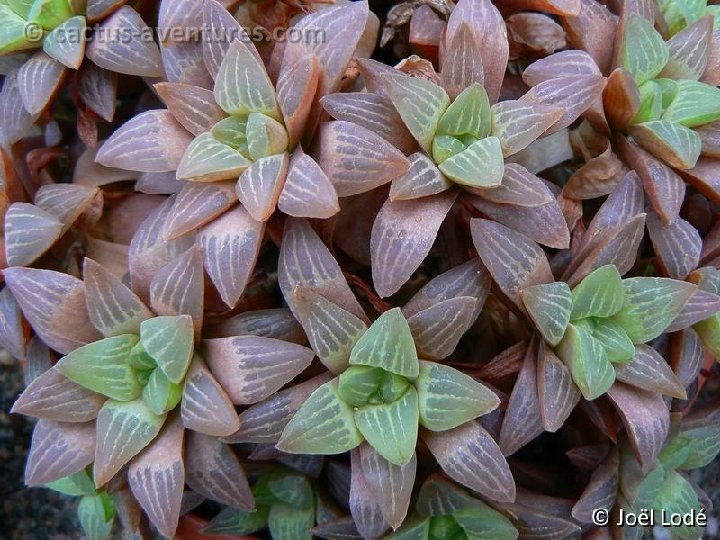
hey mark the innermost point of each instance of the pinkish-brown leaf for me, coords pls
(38, 80)
(68, 201)
(426, 27)
(438, 329)
(572, 63)
(296, 87)
(198, 204)
(206, 407)
(689, 51)
(17, 122)
(556, 390)
(600, 491)
(364, 504)
(462, 61)
(519, 188)
(222, 29)
(192, 106)
(677, 245)
(29, 232)
(307, 192)
(184, 63)
(12, 333)
(260, 185)
(592, 29)
(422, 180)
(58, 449)
(97, 88)
(702, 305)
(686, 355)
(277, 323)
(649, 371)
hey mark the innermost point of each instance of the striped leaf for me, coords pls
(366, 515)
(225, 29)
(462, 59)
(12, 327)
(231, 521)
(331, 330)
(651, 102)
(194, 107)
(96, 515)
(391, 428)
(651, 304)
(97, 88)
(448, 398)
(677, 496)
(157, 478)
(169, 341)
(562, 64)
(675, 144)
(516, 123)
(549, 305)
(230, 130)
(13, 36)
(600, 491)
(206, 407)
(649, 371)
(420, 104)
(438, 329)
(519, 187)
(29, 232)
(260, 185)
(599, 294)
(67, 202)
(677, 245)
(389, 345)
(479, 165)
(296, 89)
(66, 43)
(57, 450)
(265, 136)
(242, 85)
(360, 385)
(643, 52)
(123, 430)
(160, 394)
(689, 51)
(252, 368)
(422, 179)
(112, 307)
(104, 367)
(197, 204)
(556, 390)
(308, 191)
(695, 104)
(323, 425)
(588, 362)
(49, 13)
(208, 160)
(286, 522)
(468, 114)
(39, 80)
(613, 338)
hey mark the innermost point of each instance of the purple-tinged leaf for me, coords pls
(232, 91)
(213, 470)
(705, 177)
(265, 421)
(230, 247)
(702, 305)
(422, 180)
(12, 333)
(544, 224)
(437, 329)
(373, 112)
(277, 323)
(110, 51)
(306, 262)
(331, 330)
(69, 52)
(571, 63)
(556, 390)
(462, 61)
(592, 29)
(514, 261)
(177, 288)
(357, 160)
(169, 341)
(673, 143)
(197, 204)
(677, 245)
(17, 122)
(68, 201)
(470, 456)
(206, 407)
(402, 235)
(165, 183)
(259, 187)
(600, 491)
(252, 368)
(52, 396)
(522, 421)
(123, 430)
(519, 187)
(223, 29)
(97, 10)
(38, 80)
(54, 304)
(157, 478)
(29, 232)
(296, 88)
(426, 27)
(192, 106)
(598, 177)
(307, 192)
(58, 449)
(549, 306)
(365, 507)
(517, 124)
(490, 34)
(112, 307)
(390, 485)
(649, 371)
(91, 174)
(689, 51)
(97, 88)
(152, 141)
(646, 419)
(545, 152)
(686, 355)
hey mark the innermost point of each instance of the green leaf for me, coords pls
(13, 36)
(323, 425)
(479, 165)
(233, 521)
(96, 513)
(207, 159)
(388, 344)
(679, 14)
(669, 89)
(231, 130)
(393, 387)
(442, 527)
(413, 528)
(549, 306)
(391, 428)
(651, 103)
(104, 367)
(675, 144)
(588, 362)
(75, 484)
(438, 497)
(618, 346)
(169, 340)
(709, 332)
(140, 359)
(469, 114)
(56, 42)
(448, 398)
(20, 7)
(288, 523)
(50, 13)
(358, 384)
(677, 496)
(676, 452)
(643, 52)
(600, 294)
(293, 489)
(482, 522)
(420, 104)
(702, 445)
(160, 394)
(265, 136)
(651, 304)
(446, 146)
(695, 104)
(124, 428)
